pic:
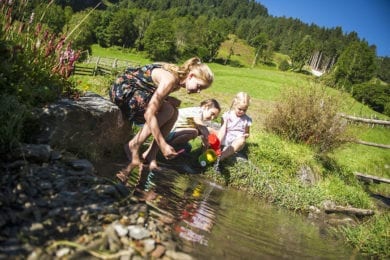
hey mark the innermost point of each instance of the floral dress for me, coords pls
(133, 91)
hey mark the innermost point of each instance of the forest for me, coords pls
(174, 30)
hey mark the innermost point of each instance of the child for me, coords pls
(235, 128)
(193, 122)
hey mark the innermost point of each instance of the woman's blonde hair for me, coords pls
(194, 65)
(241, 99)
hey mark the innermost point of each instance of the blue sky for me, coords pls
(370, 19)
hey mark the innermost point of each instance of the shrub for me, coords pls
(34, 67)
(376, 96)
(308, 115)
(284, 66)
(12, 116)
(35, 62)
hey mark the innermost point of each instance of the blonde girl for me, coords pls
(235, 127)
(143, 96)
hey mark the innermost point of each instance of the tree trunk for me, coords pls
(256, 57)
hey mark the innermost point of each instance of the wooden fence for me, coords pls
(95, 65)
(370, 121)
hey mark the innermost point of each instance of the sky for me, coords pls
(370, 19)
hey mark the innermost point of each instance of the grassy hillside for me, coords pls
(265, 84)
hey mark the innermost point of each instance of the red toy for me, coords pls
(214, 143)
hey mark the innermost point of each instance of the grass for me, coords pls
(274, 161)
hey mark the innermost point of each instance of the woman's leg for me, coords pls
(166, 117)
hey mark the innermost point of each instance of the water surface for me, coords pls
(216, 222)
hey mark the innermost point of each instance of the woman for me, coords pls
(146, 101)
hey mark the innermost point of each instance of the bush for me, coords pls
(34, 67)
(308, 116)
(284, 66)
(376, 96)
(12, 117)
(35, 62)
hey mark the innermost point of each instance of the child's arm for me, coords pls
(222, 131)
(247, 130)
(204, 133)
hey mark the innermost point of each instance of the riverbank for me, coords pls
(54, 206)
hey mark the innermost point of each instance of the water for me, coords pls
(216, 222)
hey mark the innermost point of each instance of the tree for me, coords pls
(301, 53)
(84, 35)
(215, 34)
(259, 42)
(160, 41)
(121, 31)
(356, 64)
(376, 96)
(53, 15)
(141, 22)
(384, 69)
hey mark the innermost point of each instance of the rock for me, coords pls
(149, 245)
(82, 165)
(120, 229)
(92, 126)
(178, 255)
(32, 152)
(138, 232)
(158, 251)
(307, 176)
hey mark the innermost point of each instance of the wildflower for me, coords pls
(31, 18)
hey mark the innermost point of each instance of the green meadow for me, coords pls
(274, 162)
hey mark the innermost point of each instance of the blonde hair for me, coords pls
(195, 66)
(241, 99)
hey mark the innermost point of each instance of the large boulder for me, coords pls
(91, 126)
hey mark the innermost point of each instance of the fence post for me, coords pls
(96, 66)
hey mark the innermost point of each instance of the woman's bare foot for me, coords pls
(123, 176)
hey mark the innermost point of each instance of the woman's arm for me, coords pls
(165, 84)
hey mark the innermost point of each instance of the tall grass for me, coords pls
(33, 68)
(308, 115)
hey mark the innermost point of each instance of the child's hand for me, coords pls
(246, 135)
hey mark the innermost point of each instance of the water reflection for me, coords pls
(197, 216)
(214, 222)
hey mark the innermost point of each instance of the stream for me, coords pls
(217, 222)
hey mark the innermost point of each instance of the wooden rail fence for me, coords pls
(368, 121)
(95, 65)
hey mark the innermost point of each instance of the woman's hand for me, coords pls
(168, 152)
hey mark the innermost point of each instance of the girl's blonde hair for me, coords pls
(241, 99)
(194, 65)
